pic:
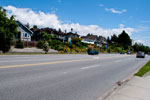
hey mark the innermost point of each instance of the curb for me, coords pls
(119, 85)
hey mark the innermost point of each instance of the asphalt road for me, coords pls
(63, 77)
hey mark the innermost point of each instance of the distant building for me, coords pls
(37, 35)
(90, 39)
(94, 40)
(24, 33)
(101, 41)
(69, 36)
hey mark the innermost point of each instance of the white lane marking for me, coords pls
(90, 67)
(123, 59)
(96, 57)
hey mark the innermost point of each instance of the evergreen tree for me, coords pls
(59, 30)
(27, 25)
(124, 40)
(8, 31)
(108, 40)
(114, 39)
(35, 27)
(71, 30)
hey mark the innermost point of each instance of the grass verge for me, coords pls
(143, 70)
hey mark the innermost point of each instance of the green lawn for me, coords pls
(143, 70)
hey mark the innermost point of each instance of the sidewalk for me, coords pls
(138, 88)
(31, 50)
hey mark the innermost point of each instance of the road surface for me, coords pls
(63, 77)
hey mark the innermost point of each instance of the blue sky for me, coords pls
(101, 17)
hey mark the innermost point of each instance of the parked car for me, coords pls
(140, 55)
(148, 53)
(122, 52)
(128, 52)
(93, 52)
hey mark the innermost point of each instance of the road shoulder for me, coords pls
(137, 88)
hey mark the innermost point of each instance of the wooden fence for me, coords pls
(28, 43)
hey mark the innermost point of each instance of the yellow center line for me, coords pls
(57, 62)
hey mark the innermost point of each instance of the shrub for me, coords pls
(75, 40)
(118, 49)
(66, 43)
(67, 50)
(46, 47)
(40, 44)
(62, 52)
(83, 50)
(58, 47)
(124, 51)
(19, 44)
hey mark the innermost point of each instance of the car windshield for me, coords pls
(140, 52)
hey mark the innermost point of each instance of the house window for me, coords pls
(23, 34)
(26, 34)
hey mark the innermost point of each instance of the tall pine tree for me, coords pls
(124, 40)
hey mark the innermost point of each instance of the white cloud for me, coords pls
(41, 19)
(115, 11)
(26, 15)
(143, 41)
(82, 29)
(139, 41)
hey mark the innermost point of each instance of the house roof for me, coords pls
(24, 27)
(54, 31)
(70, 33)
(91, 37)
(100, 38)
(51, 31)
(97, 39)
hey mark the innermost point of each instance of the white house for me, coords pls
(94, 39)
(89, 39)
(24, 33)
